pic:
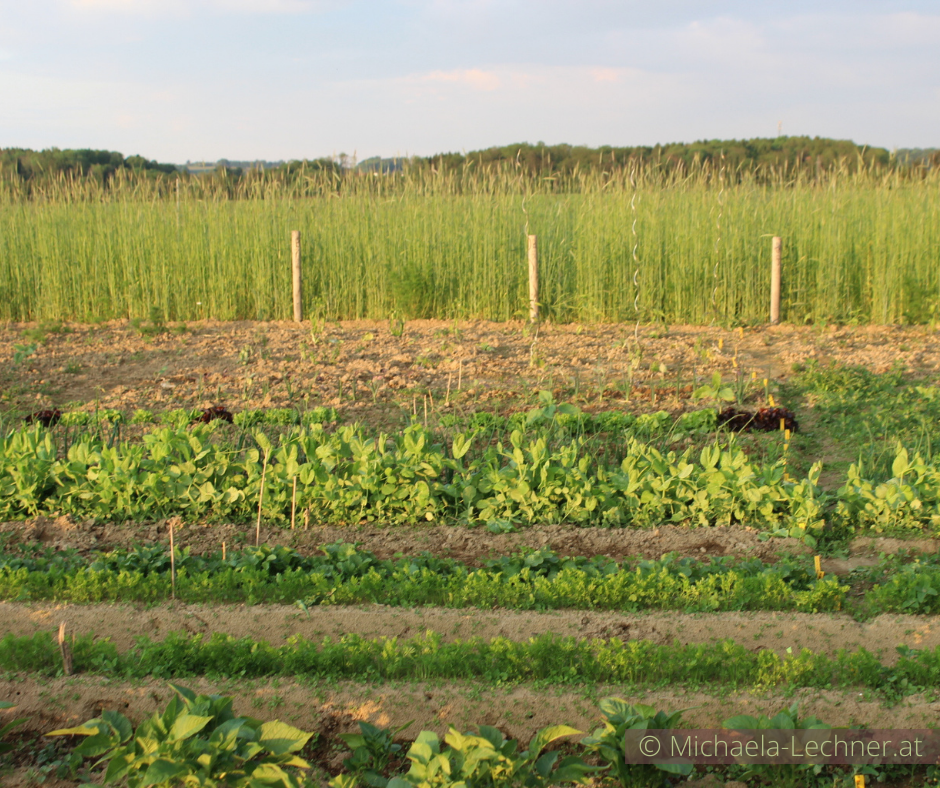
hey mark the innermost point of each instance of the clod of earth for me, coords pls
(47, 418)
(213, 413)
(765, 420)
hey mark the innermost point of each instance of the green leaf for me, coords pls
(90, 728)
(269, 773)
(741, 722)
(97, 745)
(187, 725)
(280, 738)
(184, 692)
(264, 442)
(544, 764)
(121, 725)
(162, 771)
(683, 769)
(118, 767)
(548, 735)
(901, 464)
(353, 740)
(461, 446)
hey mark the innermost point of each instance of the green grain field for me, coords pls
(614, 246)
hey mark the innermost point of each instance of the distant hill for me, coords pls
(97, 164)
(779, 152)
(809, 155)
(198, 168)
(929, 157)
(380, 165)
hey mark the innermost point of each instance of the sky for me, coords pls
(200, 80)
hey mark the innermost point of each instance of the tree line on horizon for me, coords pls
(780, 155)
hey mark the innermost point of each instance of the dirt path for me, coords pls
(470, 545)
(779, 632)
(519, 711)
(363, 368)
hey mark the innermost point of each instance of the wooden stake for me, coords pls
(264, 470)
(65, 651)
(223, 551)
(450, 376)
(295, 271)
(776, 254)
(425, 411)
(172, 562)
(533, 250)
(460, 375)
(293, 504)
(306, 519)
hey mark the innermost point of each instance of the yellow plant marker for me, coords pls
(859, 781)
(770, 397)
(819, 571)
(721, 343)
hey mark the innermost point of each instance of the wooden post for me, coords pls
(533, 279)
(172, 562)
(295, 270)
(65, 651)
(264, 470)
(776, 253)
(293, 505)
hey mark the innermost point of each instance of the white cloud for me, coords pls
(604, 74)
(474, 78)
(431, 75)
(515, 80)
(192, 7)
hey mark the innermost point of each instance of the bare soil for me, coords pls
(519, 711)
(361, 367)
(757, 631)
(370, 375)
(330, 709)
(469, 545)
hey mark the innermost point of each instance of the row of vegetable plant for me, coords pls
(181, 417)
(533, 580)
(349, 476)
(545, 658)
(565, 415)
(199, 740)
